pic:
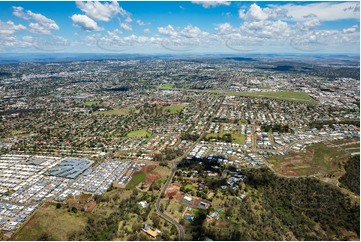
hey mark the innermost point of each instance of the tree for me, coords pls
(155, 219)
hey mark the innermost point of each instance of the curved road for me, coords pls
(174, 168)
(166, 217)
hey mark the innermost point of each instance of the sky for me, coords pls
(180, 27)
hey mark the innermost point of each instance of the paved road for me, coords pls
(166, 217)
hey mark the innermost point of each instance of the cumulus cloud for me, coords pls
(256, 13)
(126, 26)
(85, 22)
(41, 24)
(225, 28)
(112, 41)
(208, 4)
(98, 11)
(189, 31)
(350, 30)
(141, 23)
(308, 23)
(146, 31)
(9, 28)
(168, 30)
(325, 11)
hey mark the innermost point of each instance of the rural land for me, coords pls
(180, 148)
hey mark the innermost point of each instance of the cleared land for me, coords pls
(175, 108)
(318, 159)
(42, 225)
(115, 111)
(142, 133)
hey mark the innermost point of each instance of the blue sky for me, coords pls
(166, 27)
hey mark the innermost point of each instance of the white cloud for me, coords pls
(115, 32)
(15, 43)
(126, 26)
(263, 23)
(98, 11)
(146, 31)
(140, 22)
(189, 31)
(266, 29)
(350, 30)
(19, 12)
(208, 4)
(168, 30)
(309, 22)
(38, 28)
(42, 24)
(9, 28)
(227, 14)
(225, 28)
(256, 13)
(85, 22)
(325, 11)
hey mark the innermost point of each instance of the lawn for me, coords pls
(142, 133)
(175, 108)
(237, 137)
(318, 159)
(89, 104)
(166, 86)
(163, 171)
(56, 224)
(115, 111)
(281, 95)
(136, 179)
(190, 187)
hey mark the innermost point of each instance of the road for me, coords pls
(166, 217)
(174, 168)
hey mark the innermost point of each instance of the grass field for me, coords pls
(166, 86)
(175, 108)
(42, 224)
(89, 104)
(318, 159)
(189, 187)
(115, 111)
(282, 95)
(142, 133)
(237, 137)
(174, 209)
(136, 179)
(163, 171)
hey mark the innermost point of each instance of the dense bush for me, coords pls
(351, 179)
